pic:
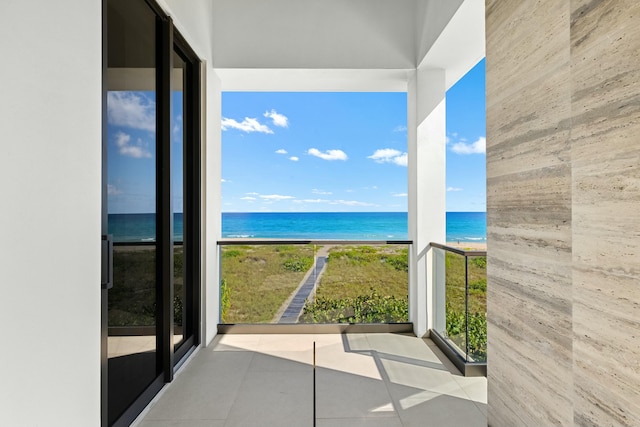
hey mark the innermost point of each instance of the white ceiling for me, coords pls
(322, 44)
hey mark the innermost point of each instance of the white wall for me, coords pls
(212, 190)
(50, 185)
(311, 34)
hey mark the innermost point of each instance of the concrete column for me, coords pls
(427, 166)
(212, 116)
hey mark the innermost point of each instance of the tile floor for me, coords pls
(381, 379)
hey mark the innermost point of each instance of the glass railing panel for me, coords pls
(460, 300)
(455, 301)
(314, 283)
(257, 280)
(361, 284)
(477, 308)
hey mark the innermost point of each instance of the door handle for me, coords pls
(107, 261)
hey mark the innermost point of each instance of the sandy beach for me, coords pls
(469, 246)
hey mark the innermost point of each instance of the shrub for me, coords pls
(400, 262)
(298, 263)
(231, 253)
(372, 308)
(225, 299)
(479, 261)
(477, 332)
(479, 285)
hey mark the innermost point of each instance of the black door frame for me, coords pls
(168, 39)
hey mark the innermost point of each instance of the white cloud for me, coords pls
(248, 198)
(312, 201)
(389, 155)
(328, 155)
(294, 158)
(177, 127)
(477, 147)
(130, 110)
(278, 119)
(400, 195)
(126, 148)
(252, 194)
(321, 192)
(400, 128)
(401, 160)
(275, 197)
(454, 189)
(281, 151)
(223, 180)
(247, 125)
(112, 190)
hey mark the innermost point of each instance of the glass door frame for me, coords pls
(168, 40)
(192, 124)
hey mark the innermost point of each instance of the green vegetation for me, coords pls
(259, 279)
(361, 284)
(455, 308)
(368, 308)
(132, 300)
(225, 300)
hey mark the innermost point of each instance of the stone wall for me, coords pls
(563, 212)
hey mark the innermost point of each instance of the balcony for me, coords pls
(317, 333)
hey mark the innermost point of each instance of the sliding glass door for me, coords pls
(151, 205)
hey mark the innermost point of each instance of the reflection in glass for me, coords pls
(177, 153)
(131, 171)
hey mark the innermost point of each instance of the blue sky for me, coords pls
(466, 142)
(335, 152)
(303, 152)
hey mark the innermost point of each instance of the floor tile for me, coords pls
(344, 395)
(182, 423)
(361, 380)
(204, 390)
(273, 399)
(443, 411)
(359, 422)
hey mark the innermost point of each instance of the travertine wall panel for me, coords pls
(605, 67)
(529, 213)
(563, 212)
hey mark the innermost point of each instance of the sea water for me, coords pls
(461, 226)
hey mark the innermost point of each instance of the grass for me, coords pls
(353, 271)
(259, 279)
(362, 284)
(369, 280)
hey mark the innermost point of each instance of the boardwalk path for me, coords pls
(292, 308)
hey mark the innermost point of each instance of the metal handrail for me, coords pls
(260, 241)
(458, 251)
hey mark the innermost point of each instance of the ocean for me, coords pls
(461, 226)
